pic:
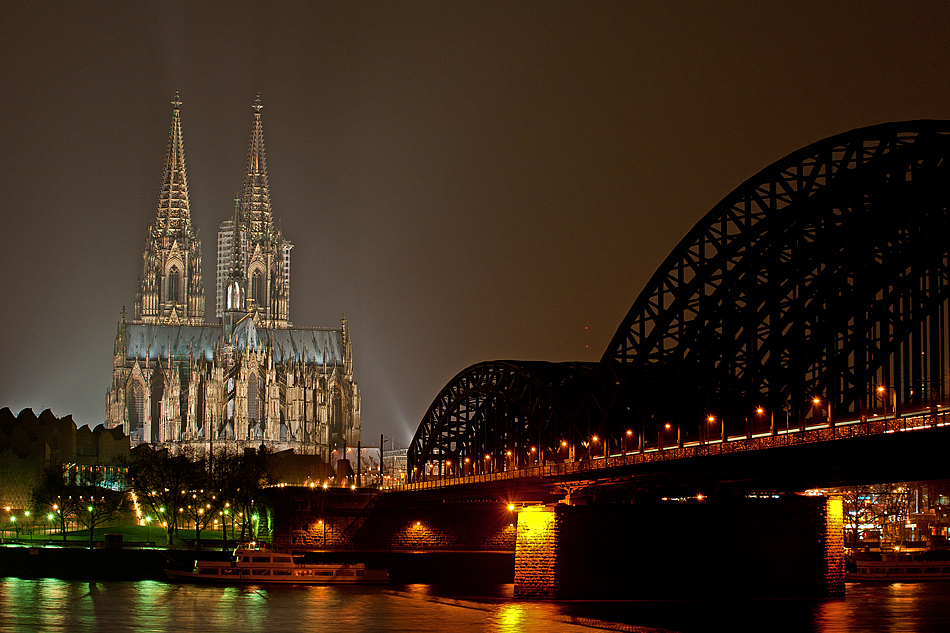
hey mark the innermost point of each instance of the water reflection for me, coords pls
(116, 607)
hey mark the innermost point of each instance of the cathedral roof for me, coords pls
(201, 341)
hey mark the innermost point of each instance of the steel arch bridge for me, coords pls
(816, 292)
(497, 416)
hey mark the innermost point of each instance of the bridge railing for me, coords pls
(810, 435)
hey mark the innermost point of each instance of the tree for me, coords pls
(96, 504)
(53, 497)
(161, 482)
(240, 478)
(202, 501)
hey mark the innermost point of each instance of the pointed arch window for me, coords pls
(257, 288)
(252, 399)
(174, 285)
(135, 401)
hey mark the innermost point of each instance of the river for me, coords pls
(39, 605)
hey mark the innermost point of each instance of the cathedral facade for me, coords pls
(248, 378)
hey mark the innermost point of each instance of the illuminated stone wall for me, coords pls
(536, 553)
(834, 546)
(364, 519)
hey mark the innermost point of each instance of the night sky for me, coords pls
(465, 181)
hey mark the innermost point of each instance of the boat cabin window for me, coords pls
(260, 559)
(282, 559)
(213, 571)
(260, 572)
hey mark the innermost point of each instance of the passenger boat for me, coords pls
(897, 568)
(251, 564)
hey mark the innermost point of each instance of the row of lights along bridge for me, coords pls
(632, 442)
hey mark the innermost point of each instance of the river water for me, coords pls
(113, 607)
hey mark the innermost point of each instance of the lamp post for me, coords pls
(882, 394)
(711, 419)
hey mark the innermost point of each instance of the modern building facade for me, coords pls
(250, 378)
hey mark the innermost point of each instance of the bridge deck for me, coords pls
(860, 428)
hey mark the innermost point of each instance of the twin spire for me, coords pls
(174, 212)
(255, 194)
(171, 288)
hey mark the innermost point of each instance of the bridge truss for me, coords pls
(497, 416)
(814, 293)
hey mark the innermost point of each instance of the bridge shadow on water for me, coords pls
(866, 607)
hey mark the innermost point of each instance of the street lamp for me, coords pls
(816, 408)
(722, 427)
(882, 394)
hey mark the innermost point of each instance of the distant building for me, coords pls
(28, 444)
(249, 379)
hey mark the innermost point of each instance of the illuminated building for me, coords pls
(249, 379)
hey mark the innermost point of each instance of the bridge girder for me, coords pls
(824, 277)
(495, 408)
(818, 290)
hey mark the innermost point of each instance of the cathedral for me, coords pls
(249, 378)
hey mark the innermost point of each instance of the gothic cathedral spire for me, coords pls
(170, 288)
(255, 194)
(264, 253)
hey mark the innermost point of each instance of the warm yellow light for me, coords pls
(629, 432)
(511, 507)
(711, 418)
(880, 389)
(760, 410)
(509, 453)
(667, 425)
(816, 401)
(563, 443)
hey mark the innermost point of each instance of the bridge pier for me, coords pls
(785, 546)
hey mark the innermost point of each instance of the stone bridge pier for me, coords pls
(731, 546)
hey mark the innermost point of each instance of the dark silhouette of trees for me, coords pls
(185, 488)
(161, 483)
(85, 497)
